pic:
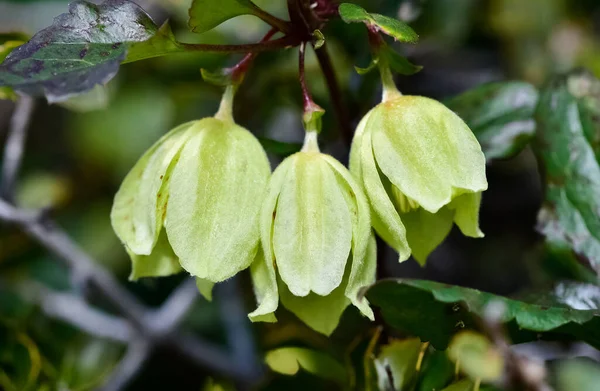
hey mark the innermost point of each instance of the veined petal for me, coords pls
(426, 150)
(321, 313)
(215, 196)
(425, 231)
(362, 273)
(312, 234)
(467, 214)
(161, 262)
(355, 161)
(363, 276)
(137, 212)
(384, 217)
(262, 270)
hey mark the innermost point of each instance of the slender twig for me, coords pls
(276, 44)
(335, 93)
(136, 355)
(15, 142)
(239, 70)
(174, 309)
(306, 96)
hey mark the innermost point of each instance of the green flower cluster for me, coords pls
(202, 199)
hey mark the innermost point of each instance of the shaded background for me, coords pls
(78, 153)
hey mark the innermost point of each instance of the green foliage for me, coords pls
(435, 311)
(352, 13)
(83, 47)
(289, 361)
(501, 115)
(568, 151)
(208, 14)
(397, 365)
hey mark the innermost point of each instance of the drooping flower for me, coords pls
(318, 249)
(422, 169)
(193, 199)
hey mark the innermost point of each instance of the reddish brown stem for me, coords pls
(239, 70)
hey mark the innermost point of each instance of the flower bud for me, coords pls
(422, 169)
(192, 201)
(316, 239)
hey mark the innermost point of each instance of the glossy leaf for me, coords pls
(352, 13)
(208, 14)
(435, 311)
(438, 371)
(501, 115)
(396, 365)
(289, 361)
(568, 117)
(81, 49)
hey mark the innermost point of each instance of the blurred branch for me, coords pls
(15, 142)
(136, 355)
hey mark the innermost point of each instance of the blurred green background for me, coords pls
(77, 154)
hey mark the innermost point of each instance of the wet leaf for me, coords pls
(81, 49)
(352, 13)
(501, 115)
(568, 148)
(435, 312)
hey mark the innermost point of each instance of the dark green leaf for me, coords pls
(500, 115)
(208, 14)
(81, 49)
(352, 13)
(568, 147)
(435, 312)
(437, 371)
(400, 64)
(463, 385)
(396, 365)
(288, 361)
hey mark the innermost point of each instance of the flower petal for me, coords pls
(161, 262)
(262, 270)
(425, 231)
(467, 214)
(384, 217)
(426, 150)
(205, 287)
(321, 313)
(363, 270)
(137, 213)
(215, 197)
(312, 235)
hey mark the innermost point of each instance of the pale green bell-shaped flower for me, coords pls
(318, 249)
(193, 201)
(422, 169)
